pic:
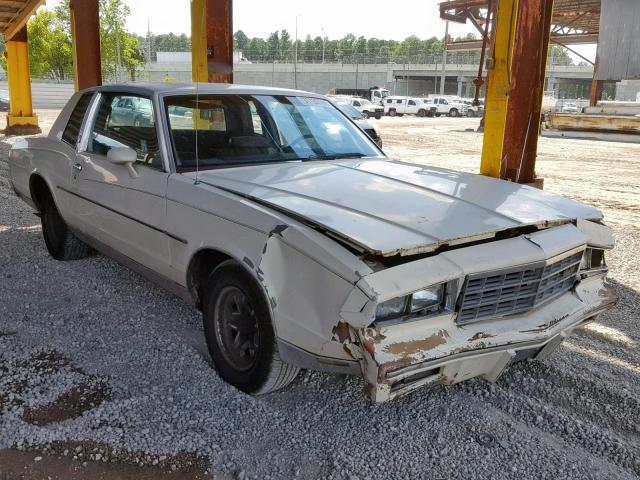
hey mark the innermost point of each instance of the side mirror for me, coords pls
(123, 156)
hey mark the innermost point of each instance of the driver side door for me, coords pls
(123, 206)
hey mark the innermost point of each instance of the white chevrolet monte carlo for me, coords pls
(304, 245)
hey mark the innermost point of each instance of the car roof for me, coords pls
(164, 88)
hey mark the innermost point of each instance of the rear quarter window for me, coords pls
(72, 130)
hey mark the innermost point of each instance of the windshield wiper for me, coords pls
(333, 156)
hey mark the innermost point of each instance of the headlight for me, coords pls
(427, 301)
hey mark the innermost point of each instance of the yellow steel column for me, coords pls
(21, 119)
(199, 67)
(498, 84)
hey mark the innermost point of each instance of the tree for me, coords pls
(50, 50)
(120, 49)
(560, 55)
(240, 41)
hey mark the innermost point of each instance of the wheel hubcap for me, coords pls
(236, 328)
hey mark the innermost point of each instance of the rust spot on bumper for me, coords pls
(424, 344)
(480, 335)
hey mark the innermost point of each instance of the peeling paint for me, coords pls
(546, 326)
(480, 335)
(394, 365)
(341, 332)
(412, 346)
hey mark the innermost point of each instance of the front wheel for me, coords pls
(61, 243)
(422, 113)
(365, 114)
(392, 112)
(239, 333)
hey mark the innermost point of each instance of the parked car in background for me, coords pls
(447, 106)
(367, 109)
(131, 111)
(399, 106)
(4, 101)
(374, 94)
(360, 119)
(473, 110)
(570, 107)
(304, 246)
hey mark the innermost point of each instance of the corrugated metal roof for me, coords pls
(619, 49)
(572, 16)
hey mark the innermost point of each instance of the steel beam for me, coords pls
(21, 118)
(524, 106)
(85, 33)
(498, 84)
(212, 41)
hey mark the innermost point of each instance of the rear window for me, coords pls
(72, 130)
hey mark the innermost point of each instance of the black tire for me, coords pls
(366, 114)
(453, 112)
(61, 243)
(438, 114)
(232, 302)
(392, 112)
(378, 116)
(422, 113)
(400, 114)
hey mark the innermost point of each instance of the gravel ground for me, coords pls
(99, 365)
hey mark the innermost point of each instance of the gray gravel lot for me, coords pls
(91, 354)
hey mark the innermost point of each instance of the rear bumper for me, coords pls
(402, 358)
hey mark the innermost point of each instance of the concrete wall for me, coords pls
(628, 91)
(47, 95)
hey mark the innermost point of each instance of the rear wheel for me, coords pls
(392, 112)
(422, 113)
(365, 114)
(61, 243)
(378, 116)
(453, 112)
(239, 333)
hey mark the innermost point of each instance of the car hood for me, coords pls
(390, 207)
(363, 123)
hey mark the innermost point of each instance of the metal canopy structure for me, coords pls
(573, 21)
(14, 15)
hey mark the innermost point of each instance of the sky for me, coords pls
(369, 18)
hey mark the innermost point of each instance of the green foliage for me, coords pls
(278, 47)
(50, 45)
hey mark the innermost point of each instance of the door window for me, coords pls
(411, 102)
(398, 101)
(126, 121)
(443, 101)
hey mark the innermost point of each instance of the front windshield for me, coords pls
(234, 130)
(385, 93)
(349, 110)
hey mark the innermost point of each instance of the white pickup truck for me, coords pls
(398, 106)
(447, 106)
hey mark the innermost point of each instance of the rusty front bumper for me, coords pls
(401, 358)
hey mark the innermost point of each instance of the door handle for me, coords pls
(77, 167)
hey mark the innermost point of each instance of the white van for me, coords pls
(398, 106)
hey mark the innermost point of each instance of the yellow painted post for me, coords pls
(199, 67)
(21, 118)
(498, 84)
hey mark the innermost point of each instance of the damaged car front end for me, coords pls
(489, 306)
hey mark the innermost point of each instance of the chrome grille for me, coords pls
(515, 290)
